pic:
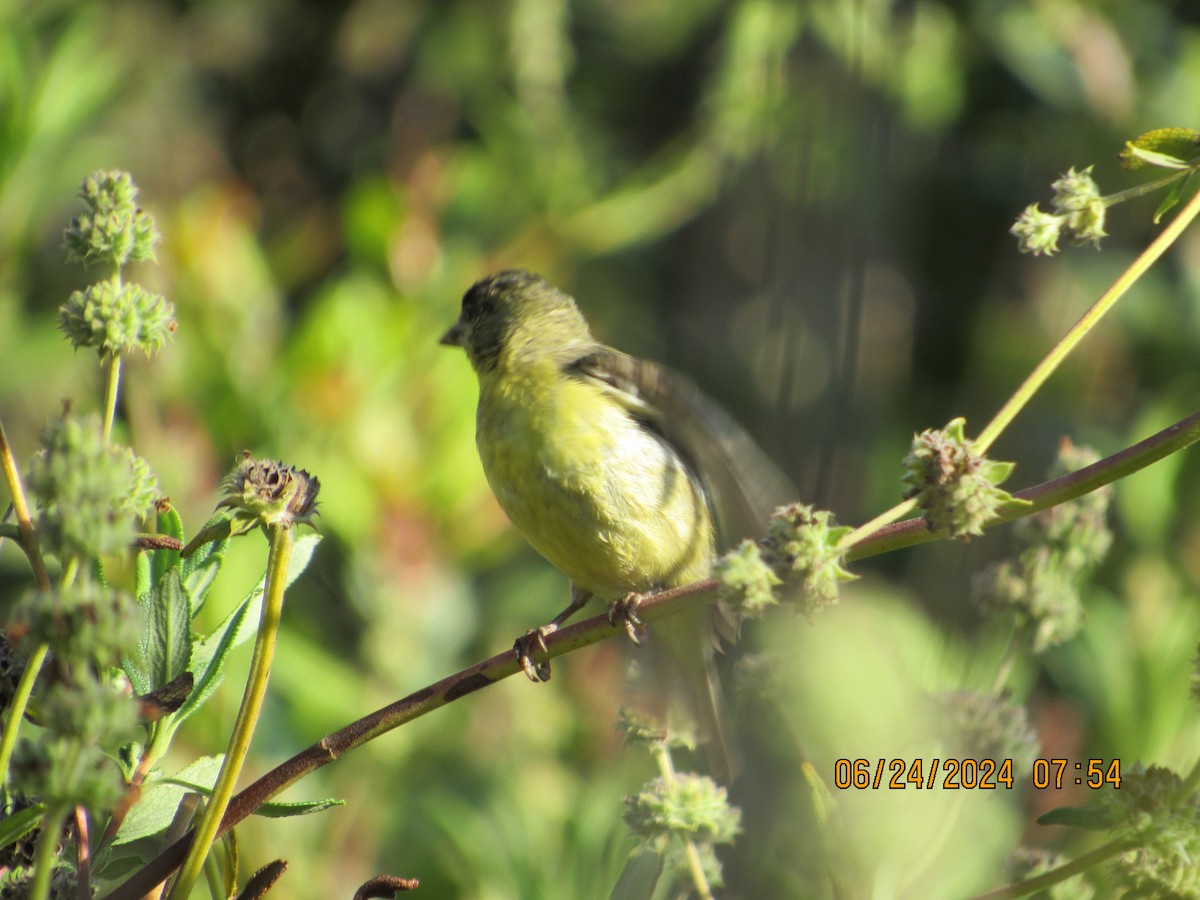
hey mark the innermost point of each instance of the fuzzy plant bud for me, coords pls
(802, 548)
(747, 581)
(117, 319)
(85, 622)
(1079, 212)
(71, 761)
(983, 726)
(1036, 594)
(1038, 591)
(1154, 808)
(1037, 231)
(686, 807)
(267, 492)
(955, 486)
(1077, 197)
(113, 231)
(1078, 529)
(88, 492)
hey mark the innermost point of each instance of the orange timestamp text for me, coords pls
(970, 774)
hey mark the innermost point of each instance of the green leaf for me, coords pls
(201, 569)
(1093, 818)
(152, 814)
(162, 561)
(143, 580)
(19, 824)
(187, 779)
(997, 472)
(209, 653)
(159, 800)
(302, 552)
(639, 877)
(1168, 148)
(134, 667)
(275, 810)
(1171, 199)
(1009, 502)
(167, 647)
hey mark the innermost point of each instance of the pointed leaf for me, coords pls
(167, 646)
(997, 472)
(143, 579)
(1171, 148)
(639, 878)
(200, 776)
(164, 559)
(19, 824)
(1170, 200)
(209, 655)
(275, 810)
(201, 568)
(159, 801)
(1093, 818)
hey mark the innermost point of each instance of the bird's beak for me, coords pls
(454, 337)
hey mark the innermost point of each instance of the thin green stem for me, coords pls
(113, 383)
(29, 541)
(1062, 873)
(212, 876)
(44, 856)
(243, 730)
(111, 388)
(899, 511)
(666, 768)
(1140, 190)
(16, 712)
(1086, 323)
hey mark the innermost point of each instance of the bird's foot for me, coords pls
(624, 612)
(534, 640)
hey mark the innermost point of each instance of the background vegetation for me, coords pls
(803, 205)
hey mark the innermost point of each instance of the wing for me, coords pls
(742, 484)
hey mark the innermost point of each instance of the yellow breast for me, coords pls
(605, 500)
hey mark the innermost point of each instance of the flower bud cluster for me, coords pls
(1078, 215)
(88, 492)
(955, 486)
(1038, 591)
(111, 316)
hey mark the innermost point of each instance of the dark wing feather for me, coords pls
(742, 484)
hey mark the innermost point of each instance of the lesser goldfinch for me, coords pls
(620, 473)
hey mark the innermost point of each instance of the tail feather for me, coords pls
(679, 690)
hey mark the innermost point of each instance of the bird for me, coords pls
(618, 471)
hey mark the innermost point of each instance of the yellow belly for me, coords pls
(606, 501)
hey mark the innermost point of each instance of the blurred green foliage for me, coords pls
(804, 205)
